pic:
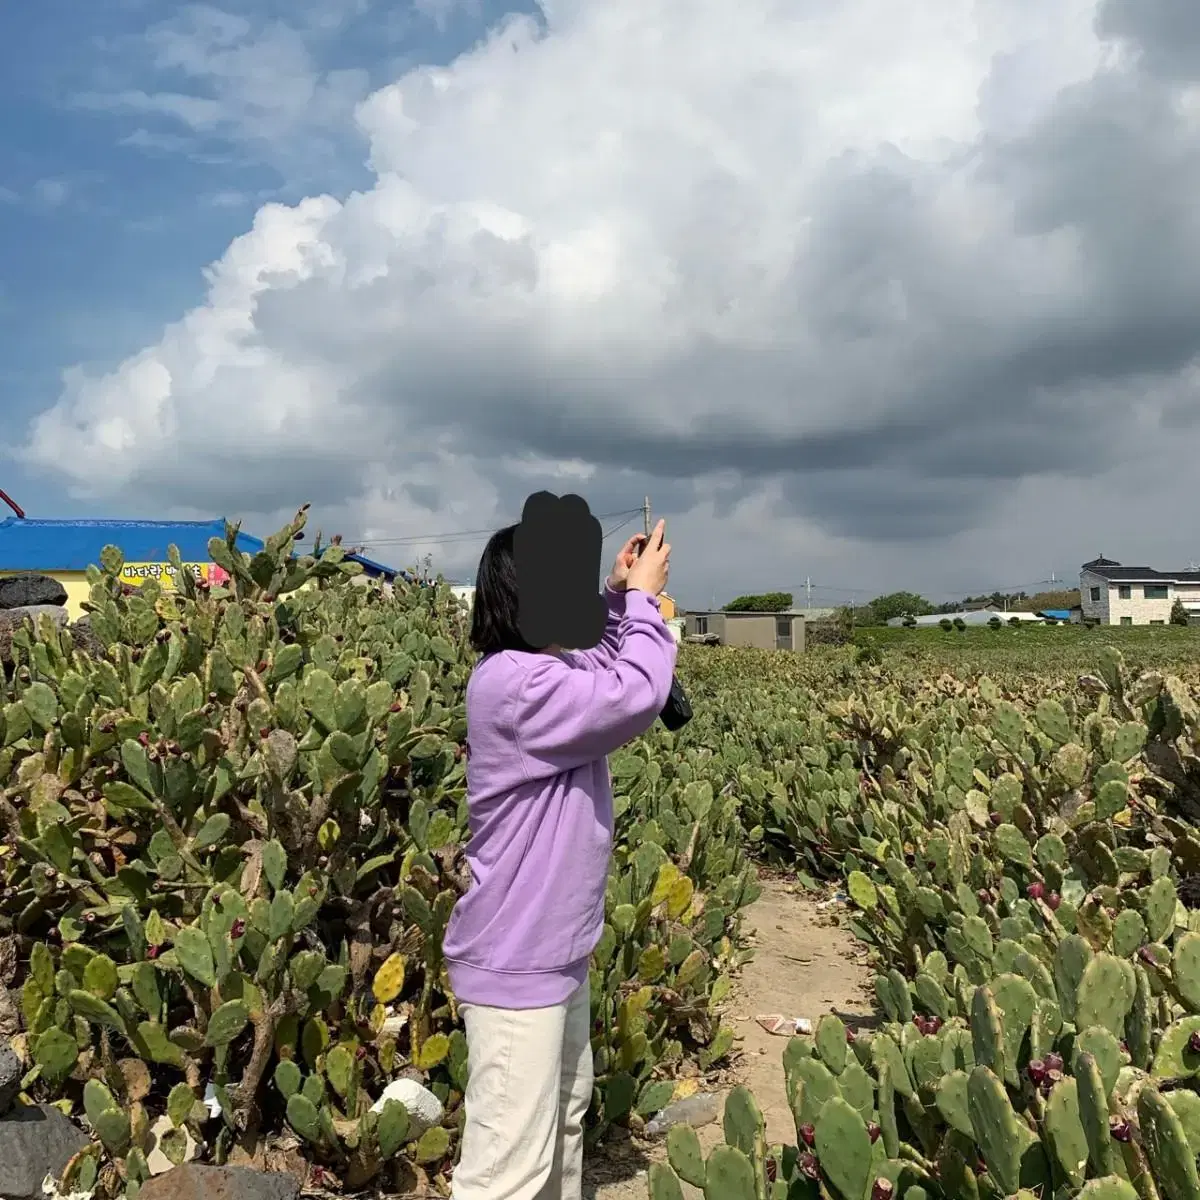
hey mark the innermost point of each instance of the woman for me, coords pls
(540, 724)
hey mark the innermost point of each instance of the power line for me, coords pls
(463, 534)
(621, 525)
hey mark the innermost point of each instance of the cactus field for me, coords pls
(1020, 853)
(231, 842)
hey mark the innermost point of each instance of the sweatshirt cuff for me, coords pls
(614, 599)
(639, 603)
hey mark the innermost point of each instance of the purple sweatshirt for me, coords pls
(539, 799)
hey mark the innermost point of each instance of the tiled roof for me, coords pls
(32, 544)
(1143, 575)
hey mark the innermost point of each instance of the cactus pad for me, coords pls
(1172, 1162)
(1111, 1187)
(843, 1148)
(1064, 1131)
(685, 1154)
(392, 1128)
(1185, 967)
(1105, 994)
(730, 1176)
(662, 1183)
(831, 1042)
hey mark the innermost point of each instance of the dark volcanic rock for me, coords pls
(86, 640)
(19, 591)
(12, 618)
(11, 1072)
(34, 1143)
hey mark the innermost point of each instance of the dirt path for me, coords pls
(804, 965)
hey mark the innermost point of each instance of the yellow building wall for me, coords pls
(77, 588)
(666, 606)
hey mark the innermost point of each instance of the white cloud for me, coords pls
(256, 85)
(797, 269)
(51, 192)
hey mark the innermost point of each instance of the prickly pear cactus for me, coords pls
(232, 832)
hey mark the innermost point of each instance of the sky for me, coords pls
(867, 295)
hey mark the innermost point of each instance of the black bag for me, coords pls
(677, 712)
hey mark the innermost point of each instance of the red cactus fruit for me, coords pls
(1053, 901)
(873, 1131)
(808, 1134)
(808, 1165)
(1036, 1072)
(1120, 1129)
(1036, 890)
(237, 928)
(882, 1190)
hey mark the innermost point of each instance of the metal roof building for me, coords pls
(49, 546)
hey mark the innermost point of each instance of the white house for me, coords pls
(1111, 594)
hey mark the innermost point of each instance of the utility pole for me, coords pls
(808, 591)
(646, 516)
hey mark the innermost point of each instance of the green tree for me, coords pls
(899, 604)
(765, 602)
(1067, 598)
(1179, 614)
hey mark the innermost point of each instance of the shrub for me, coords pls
(1021, 859)
(232, 844)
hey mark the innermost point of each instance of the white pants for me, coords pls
(529, 1085)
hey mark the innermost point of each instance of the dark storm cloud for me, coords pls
(1166, 32)
(940, 377)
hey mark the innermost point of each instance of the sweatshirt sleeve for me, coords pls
(605, 652)
(564, 717)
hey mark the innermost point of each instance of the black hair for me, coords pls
(494, 617)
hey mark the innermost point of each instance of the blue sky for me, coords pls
(143, 137)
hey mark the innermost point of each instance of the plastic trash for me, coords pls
(782, 1026)
(156, 1159)
(424, 1108)
(701, 1109)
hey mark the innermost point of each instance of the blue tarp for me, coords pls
(31, 544)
